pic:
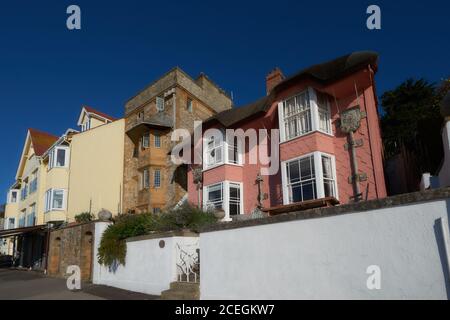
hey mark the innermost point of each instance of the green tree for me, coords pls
(411, 120)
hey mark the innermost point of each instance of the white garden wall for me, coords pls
(327, 257)
(148, 268)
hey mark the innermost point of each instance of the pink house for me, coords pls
(329, 142)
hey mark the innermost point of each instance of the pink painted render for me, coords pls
(369, 155)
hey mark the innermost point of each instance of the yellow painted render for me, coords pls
(96, 122)
(96, 169)
(33, 163)
(56, 178)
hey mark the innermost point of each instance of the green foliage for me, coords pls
(84, 217)
(112, 250)
(411, 121)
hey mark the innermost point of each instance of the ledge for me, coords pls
(402, 199)
(159, 235)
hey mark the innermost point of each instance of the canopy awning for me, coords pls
(141, 127)
(20, 231)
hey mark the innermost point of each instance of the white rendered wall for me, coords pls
(327, 258)
(148, 268)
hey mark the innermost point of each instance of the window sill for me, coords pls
(307, 134)
(222, 164)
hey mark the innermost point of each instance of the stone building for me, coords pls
(151, 181)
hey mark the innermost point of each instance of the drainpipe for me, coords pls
(47, 248)
(174, 106)
(354, 164)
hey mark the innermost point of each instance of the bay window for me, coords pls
(309, 177)
(214, 148)
(55, 199)
(218, 150)
(59, 157)
(226, 196)
(306, 112)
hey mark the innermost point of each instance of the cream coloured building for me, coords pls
(58, 178)
(96, 170)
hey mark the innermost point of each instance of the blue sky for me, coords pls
(47, 72)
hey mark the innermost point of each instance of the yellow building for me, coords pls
(96, 164)
(58, 178)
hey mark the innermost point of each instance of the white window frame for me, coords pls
(10, 193)
(224, 146)
(13, 223)
(86, 125)
(320, 192)
(49, 194)
(157, 179)
(225, 185)
(53, 159)
(314, 115)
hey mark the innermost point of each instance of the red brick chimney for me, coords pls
(273, 78)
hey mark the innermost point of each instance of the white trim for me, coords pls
(317, 157)
(48, 201)
(314, 109)
(52, 162)
(9, 196)
(225, 197)
(314, 113)
(281, 122)
(84, 111)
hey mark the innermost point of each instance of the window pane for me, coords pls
(234, 209)
(60, 157)
(328, 186)
(157, 141)
(157, 178)
(297, 115)
(58, 197)
(293, 172)
(309, 190)
(307, 168)
(326, 167)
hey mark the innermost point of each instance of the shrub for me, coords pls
(84, 217)
(112, 250)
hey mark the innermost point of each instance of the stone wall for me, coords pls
(72, 245)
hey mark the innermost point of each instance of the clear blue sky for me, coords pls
(47, 72)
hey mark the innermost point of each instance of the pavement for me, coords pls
(32, 285)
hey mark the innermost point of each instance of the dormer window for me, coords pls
(59, 157)
(86, 126)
